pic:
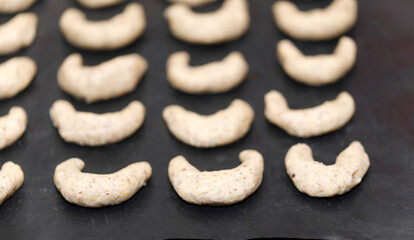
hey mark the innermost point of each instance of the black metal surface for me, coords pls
(381, 207)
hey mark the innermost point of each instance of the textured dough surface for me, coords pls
(107, 80)
(310, 122)
(11, 179)
(12, 126)
(317, 24)
(217, 188)
(318, 180)
(93, 4)
(222, 128)
(19, 32)
(117, 32)
(15, 75)
(13, 6)
(228, 23)
(91, 129)
(320, 69)
(99, 190)
(214, 77)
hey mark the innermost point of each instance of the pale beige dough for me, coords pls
(11, 179)
(91, 129)
(214, 77)
(228, 23)
(310, 122)
(12, 126)
(193, 3)
(217, 188)
(107, 80)
(117, 32)
(318, 180)
(19, 32)
(94, 4)
(14, 6)
(320, 69)
(99, 190)
(317, 24)
(15, 75)
(222, 128)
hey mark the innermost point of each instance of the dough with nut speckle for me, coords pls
(222, 128)
(11, 179)
(99, 190)
(318, 180)
(310, 122)
(217, 188)
(215, 77)
(12, 126)
(91, 129)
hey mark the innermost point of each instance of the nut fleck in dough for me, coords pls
(318, 180)
(94, 4)
(12, 126)
(91, 129)
(217, 188)
(317, 24)
(117, 32)
(19, 32)
(320, 69)
(310, 122)
(11, 179)
(193, 3)
(107, 80)
(228, 23)
(222, 128)
(15, 75)
(214, 77)
(13, 6)
(99, 190)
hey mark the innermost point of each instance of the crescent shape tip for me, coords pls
(140, 170)
(10, 166)
(75, 59)
(286, 50)
(137, 106)
(275, 103)
(18, 112)
(72, 163)
(178, 164)
(251, 156)
(346, 102)
(170, 111)
(11, 179)
(175, 10)
(61, 108)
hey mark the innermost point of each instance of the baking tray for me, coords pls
(381, 207)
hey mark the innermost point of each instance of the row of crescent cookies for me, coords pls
(16, 74)
(313, 178)
(226, 126)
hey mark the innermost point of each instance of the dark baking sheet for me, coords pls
(381, 207)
